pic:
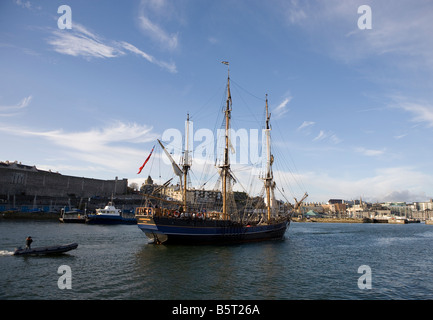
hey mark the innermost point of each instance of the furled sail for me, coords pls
(177, 171)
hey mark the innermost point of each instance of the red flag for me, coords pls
(141, 168)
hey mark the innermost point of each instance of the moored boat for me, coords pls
(397, 220)
(72, 216)
(109, 215)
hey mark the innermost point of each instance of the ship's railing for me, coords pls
(173, 213)
(147, 211)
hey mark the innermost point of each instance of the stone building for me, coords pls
(19, 179)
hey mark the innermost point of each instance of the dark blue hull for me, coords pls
(171, 230)
(107, 219)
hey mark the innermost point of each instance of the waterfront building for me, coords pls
(175, 192)
(17, 179)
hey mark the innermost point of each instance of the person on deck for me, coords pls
(29, 241)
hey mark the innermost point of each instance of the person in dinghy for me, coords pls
(29, 241)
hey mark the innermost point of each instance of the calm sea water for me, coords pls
(315, 261)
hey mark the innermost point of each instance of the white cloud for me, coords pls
(403, 28)
(25, 4)
(295, 13)
(405, 196)
(400, 183)
(306, 124)
(335, 139)
(6, 111)
(383, 184)
(79, 41)
(322, 135)
(369, 152)
(155, 8)
(282, 108)
(157, 33)
(169, 66)
(330, 136)
(399, 28)
(103, 147)
(422, 111)
(401, 136)
(213, 40)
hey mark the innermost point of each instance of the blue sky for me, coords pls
(352, 109)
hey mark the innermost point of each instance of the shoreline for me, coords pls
(14, 215)
(330, 220)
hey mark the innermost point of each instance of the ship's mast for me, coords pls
(186, 165)
(226, 166)
(269, 159)
(182, 173)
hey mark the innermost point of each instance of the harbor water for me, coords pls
(315, 261)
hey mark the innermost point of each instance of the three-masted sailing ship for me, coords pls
(184, 224)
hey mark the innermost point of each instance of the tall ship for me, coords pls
(165, 221)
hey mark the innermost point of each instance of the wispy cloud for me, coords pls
(169, 66)
(400, 136)
(306, 128)
(213, 40)
(11, 110)
(100, 147)
(26, 4)
(282, 108)
(400, 28)
(80, 42)
(422, 112)
(306, 124)
(295, 13)
(327, 135)
(404, 29)
(396, 183)
(335, 139)
(154, 8)
(322, 135)
(369, 152)
(158, 33)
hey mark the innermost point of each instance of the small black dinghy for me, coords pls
(46, 250)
